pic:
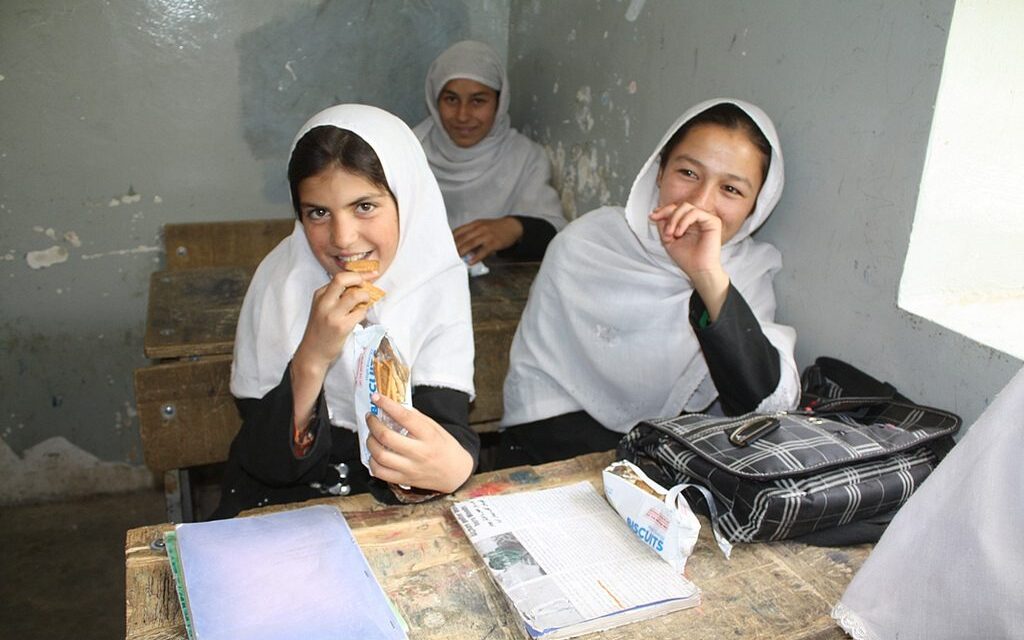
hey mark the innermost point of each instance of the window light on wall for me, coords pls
(965, 264)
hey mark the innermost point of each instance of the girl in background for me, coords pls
(496, 182)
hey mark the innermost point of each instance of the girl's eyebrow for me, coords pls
(478, 94)
(361, 198)
(729, 176)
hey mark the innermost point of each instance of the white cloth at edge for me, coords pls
(426, 309)
(951, 564)
(606, 326)
(504, 174)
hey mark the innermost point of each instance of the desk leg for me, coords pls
(178, 496)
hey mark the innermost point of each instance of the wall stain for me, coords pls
(584, 118)
(123, 252)
(579, 176)
(46, 257)
(634, 9)
(55, 468)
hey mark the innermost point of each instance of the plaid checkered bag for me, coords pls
(783, 475)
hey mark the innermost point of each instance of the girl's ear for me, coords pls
(657, 180)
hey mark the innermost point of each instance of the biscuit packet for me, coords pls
(659, 517)
(381, 369)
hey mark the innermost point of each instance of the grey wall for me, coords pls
(120, 117)
(850, 86)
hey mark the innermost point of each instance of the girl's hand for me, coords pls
(332, 316)
(484, 237)
(427, 458)
(692, 237)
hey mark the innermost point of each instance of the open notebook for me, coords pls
(568, 564)
(290, 574)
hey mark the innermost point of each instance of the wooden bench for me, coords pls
(186, 412)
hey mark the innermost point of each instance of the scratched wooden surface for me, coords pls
(194, 312)
(778, 591)
(187, 415)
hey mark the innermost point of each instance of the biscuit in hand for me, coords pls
(366, 266)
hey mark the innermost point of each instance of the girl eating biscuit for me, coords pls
(364, 199)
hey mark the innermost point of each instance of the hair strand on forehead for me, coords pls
(730, 116)
(327, 146)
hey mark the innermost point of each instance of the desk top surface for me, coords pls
(421, 557)
(193, 312)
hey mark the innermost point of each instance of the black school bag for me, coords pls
(855, 450)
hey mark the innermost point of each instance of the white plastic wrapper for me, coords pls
(375, 348)
(478, 269)
(660, 518)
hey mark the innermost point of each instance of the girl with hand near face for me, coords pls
(496, 182)
(362, 190)
(660, 308)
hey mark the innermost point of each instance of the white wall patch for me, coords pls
(46, 257)
(122, 252)
(584, 118)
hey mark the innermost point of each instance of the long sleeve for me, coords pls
(263, 468)
(537, 234)
(263, 446)
(744, 364)
(450, 409)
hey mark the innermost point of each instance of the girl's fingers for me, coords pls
(382, 444)
(385, 473)
(342, 281)
(662, 212)
(400, 414)
(383, 435)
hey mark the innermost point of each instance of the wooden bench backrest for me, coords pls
(241, 243)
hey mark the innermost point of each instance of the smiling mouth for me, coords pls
(352, 258)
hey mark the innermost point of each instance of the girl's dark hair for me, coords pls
(327, 146)
(730, 116)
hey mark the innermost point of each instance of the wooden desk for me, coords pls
(187, 415)
(778, 591)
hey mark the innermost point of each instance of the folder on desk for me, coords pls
(290, 574)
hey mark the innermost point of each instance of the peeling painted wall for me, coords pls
(850, 86)
(120, 117)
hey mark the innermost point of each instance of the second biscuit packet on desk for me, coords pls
(661, 519)
(381, 369)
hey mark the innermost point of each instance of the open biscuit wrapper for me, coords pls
(661, 518)
(381, 369)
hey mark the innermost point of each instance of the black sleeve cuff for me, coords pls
(263, 446)
(537, 234)
(744, 364)
(450, 409)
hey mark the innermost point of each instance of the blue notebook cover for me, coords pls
(291, 574)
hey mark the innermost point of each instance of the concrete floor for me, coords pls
(62, 565)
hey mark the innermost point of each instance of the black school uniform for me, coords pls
(744, 367)
(263, 468)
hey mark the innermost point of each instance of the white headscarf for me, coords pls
(426, 309)
(606, 327)
(506, 173)
(949, 565)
